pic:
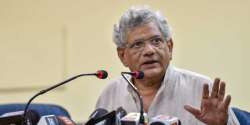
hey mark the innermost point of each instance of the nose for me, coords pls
(148, 49)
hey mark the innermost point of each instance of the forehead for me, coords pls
(143, 32)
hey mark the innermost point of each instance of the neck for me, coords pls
(147, 90)
(147, 87)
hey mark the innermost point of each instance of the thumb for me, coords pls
(192, 110)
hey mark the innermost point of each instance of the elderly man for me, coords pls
(144, 43)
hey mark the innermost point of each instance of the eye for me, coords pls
(156, 41)
(138, 44)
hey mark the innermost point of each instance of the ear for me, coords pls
(170, 45)
(122, 56)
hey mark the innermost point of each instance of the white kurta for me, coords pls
(179, 87)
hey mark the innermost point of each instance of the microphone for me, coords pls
(120, 113)
(164, 120)
(98, 113)
(50, 120)
(101, 74)
(63, 120)
(100, 117)
(116, 120)
(136, 75)
(55, 120)
(131, 119)
(16, 118)
(33, 117)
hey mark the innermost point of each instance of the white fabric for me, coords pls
(179, 87)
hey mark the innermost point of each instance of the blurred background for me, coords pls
(43, 42)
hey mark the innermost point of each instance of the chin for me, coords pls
(150, 73)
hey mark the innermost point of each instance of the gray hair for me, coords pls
(136, 16)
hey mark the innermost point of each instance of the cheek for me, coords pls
(165, 55)
(134, 61)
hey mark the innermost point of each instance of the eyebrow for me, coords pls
(152, 37)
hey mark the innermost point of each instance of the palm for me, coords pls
(214, 109)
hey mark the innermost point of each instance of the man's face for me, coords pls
(146, 50)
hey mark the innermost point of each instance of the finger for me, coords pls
(215, 89)
(227, 102)
(221, 92)
(194, 111)
(205, 93)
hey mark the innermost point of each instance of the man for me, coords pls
(144, 43)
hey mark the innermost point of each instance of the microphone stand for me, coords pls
(48, 89)
(141, 120)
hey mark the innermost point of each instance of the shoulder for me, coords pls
(191, 76)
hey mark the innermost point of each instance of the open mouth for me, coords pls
(149, 62)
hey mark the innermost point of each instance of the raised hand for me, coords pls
(214, 108)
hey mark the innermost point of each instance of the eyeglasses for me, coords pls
(139, 45)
